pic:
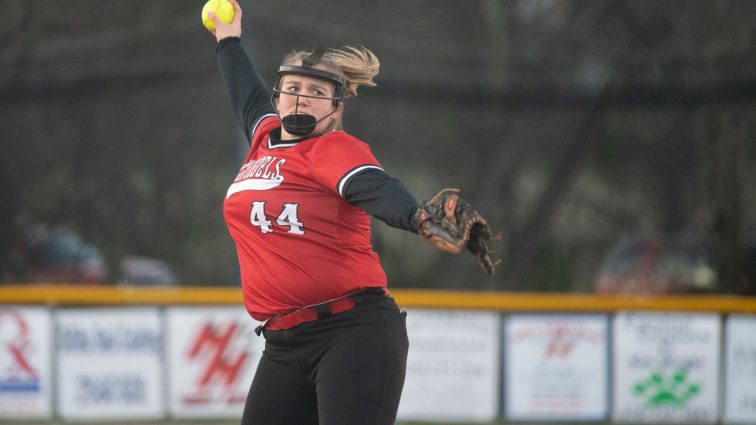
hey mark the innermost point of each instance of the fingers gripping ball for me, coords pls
(223, 8)
(450, 223)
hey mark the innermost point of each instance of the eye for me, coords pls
(318, 92)
(291, 88)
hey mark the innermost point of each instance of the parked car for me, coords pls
(49, 254)
(139, 271)
(679, 264)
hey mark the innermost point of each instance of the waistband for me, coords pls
(319, 311)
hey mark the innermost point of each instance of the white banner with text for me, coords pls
(452, 367)
(740, 366)
(556, 367)
(666, 367)
(110, 363)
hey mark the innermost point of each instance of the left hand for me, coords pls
(449, 223)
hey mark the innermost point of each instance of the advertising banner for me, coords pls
(556, 367)
(25, 353)
(213, 354)
(109, 363)
(666, 367)
(453, 366)
(740, 378)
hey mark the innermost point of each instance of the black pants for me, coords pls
(346, 369)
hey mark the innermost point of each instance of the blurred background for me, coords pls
(612, 141)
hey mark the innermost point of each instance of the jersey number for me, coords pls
(288, 217)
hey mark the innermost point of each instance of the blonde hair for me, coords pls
(358, 66)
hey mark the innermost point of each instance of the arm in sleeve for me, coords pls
(249, 98)
(383, 197)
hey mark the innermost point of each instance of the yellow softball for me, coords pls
(223, 8)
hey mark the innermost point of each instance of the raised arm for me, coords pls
(249, 98)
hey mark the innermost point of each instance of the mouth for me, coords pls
(300, 112)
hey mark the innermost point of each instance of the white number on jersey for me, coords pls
(288, 217)
(257, 217)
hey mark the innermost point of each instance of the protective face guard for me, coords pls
(336, 99)
(303, 124)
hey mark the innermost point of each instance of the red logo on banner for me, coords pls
(558, 337)
(564, 336)
(560, 341)
(14, 339)
(221, 365)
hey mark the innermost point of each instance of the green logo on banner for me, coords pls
(664, 390)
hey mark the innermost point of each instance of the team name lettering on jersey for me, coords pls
(259, 174)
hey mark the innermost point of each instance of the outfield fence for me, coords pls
(115, 353)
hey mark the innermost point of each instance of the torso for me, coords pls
(299, 242)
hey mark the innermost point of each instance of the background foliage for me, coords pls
(568, 123)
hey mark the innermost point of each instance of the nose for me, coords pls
(301, 100)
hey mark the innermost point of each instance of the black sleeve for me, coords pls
(383, 197)
(246, 90)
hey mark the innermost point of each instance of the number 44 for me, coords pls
(288, 217)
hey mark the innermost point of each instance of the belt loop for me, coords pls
(323, 310)
(368, 294)
(259, 329)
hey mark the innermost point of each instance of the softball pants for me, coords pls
(347, 369)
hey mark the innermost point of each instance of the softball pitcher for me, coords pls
(299, 212)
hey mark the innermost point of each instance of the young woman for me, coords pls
(299, 212)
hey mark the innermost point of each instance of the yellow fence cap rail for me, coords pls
(502, 301)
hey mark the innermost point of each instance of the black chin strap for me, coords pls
(301, 124)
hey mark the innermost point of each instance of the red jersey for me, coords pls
(299, 242)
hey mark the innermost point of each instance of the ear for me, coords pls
(339, 111)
